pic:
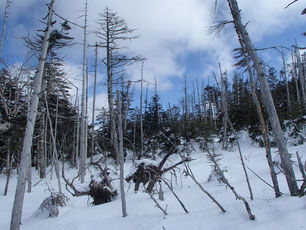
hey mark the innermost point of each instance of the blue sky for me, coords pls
(173, 36)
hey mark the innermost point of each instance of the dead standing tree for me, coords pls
(266, 96)
(83, 123)
(246, 62)
(31, 117)
(113, 31)
(7, 5)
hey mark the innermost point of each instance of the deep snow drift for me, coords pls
(271, 213)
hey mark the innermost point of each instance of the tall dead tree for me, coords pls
(31, 118)
(267, 97)
(199, 101)
(121, 156)
(83, 105)
(186, 100)
(113, 31)
(286, 81)
(295, 77)
(94, 106)
(141, 116)
(263, 127)
(224, 106)
(301, 75)
(7, 5)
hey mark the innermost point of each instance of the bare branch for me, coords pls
(290, 4)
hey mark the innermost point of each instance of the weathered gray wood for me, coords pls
(141, 116)
(83, 105)
(28, 138)
(94, 106)
(7, 5)
(121, 156)
(267, 98)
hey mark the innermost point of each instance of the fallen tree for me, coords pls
(101, 191)
(151, 173)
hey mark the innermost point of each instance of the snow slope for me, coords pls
(271, 213)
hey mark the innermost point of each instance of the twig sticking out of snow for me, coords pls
(181, 203)
(157, 204)
(189, 173)
(301, 167)
(225, 181)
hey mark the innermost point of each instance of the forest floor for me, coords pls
(271, 213)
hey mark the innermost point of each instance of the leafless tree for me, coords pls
(7, 5)
(121, 156)
(266, 95)
(31, 118)
(112, 32)
(83, 124)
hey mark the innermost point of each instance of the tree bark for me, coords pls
(31, 118)
(94, 106)
(121, 156)
(141, 116)
(7, 5)
(83, 105)
(287, 84)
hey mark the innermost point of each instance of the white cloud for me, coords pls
(270, 17)
(169, 29)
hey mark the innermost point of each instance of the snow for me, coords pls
(271, 213)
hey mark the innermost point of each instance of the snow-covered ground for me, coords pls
(271, 213)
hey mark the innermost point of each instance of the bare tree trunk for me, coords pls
(122, 192)
(29, 175)
(204, 102)
(301, 76)
(83, 105)
(8, 2)
(94, 107)
(41, 149)
(262, 124)
(77, 135)
(31, 118)
(267, 98)
(199, 102)
(224, 108)
(194, 101)
(156, 105)
(53, 137)
(141, 116)
(146, 100)
(9, 169)
(225, 181)
(295, 78)
(287, 84)
(86, 118)
(186, 101)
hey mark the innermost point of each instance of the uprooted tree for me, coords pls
(151, 173)
(100, 190)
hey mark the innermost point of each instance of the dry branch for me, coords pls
(225, 181)
(157, 204)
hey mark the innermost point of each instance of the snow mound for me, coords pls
(244, 138)
(49, 206)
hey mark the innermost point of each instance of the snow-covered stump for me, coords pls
(49, 207)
